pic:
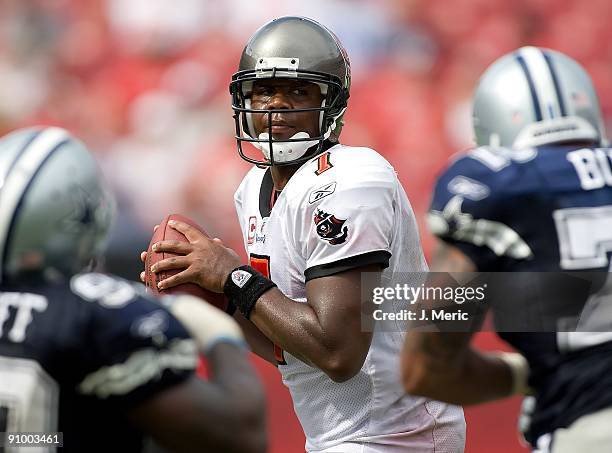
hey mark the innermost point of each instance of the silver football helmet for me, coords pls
(55, 211)
(533, 97)
(297, 48)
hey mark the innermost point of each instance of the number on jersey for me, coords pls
(30, 397)
(585, 236)
(585, 239)
(323, 164)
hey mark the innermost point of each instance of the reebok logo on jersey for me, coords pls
(330, 228)
(240, 277)
(322, 192)
(468, 188)
(150, 325)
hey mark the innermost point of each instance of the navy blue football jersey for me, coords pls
(546, 209)
(75, 357)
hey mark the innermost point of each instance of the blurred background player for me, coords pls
(85, 353)
(315, 215)
(535, 196)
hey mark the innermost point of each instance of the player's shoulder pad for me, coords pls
(347, 159)
(471, 174)
(481, 172)
(486, 160)
(464, 189)
(252, 178)
(468, 197)
(340, 169)
(106, 290)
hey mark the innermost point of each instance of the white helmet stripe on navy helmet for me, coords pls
(539, 73)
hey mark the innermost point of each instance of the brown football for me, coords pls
(164, 232)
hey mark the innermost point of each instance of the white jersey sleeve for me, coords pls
(250, 183)
(349, 213)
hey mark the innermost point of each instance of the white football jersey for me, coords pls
(341, 210)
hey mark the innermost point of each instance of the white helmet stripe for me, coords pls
(543, 81)
(555, 79)
(17, 181)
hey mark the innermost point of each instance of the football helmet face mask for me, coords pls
(293, 48)
(533, 97)
(55, 212)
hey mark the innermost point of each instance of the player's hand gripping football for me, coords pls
(206, 262)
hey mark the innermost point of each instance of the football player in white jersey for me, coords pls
(315, 216)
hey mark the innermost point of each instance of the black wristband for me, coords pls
(244, 285)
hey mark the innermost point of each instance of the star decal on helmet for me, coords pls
(82, 215)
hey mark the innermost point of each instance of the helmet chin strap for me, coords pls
(285, 151)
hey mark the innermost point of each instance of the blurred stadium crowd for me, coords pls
(144, 84)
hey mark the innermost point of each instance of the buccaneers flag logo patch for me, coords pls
(330, 228)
